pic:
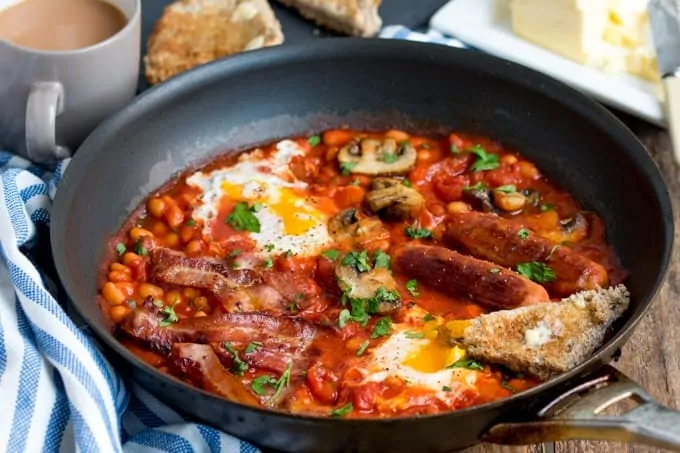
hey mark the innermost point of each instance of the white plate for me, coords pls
(485, 25)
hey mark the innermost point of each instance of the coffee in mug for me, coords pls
(60, 24)
(65, 65)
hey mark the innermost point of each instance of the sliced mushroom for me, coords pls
(350, 228)
(533, 197)
(550, 226)
(377, 157)
(392, 200)
(479, 199)
(574, 229)
(377, 284)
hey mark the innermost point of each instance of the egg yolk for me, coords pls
(435, 355)
(294, 211)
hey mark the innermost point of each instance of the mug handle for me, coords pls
(579, 414)
(45, 103)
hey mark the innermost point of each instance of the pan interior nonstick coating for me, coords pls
(274, 93)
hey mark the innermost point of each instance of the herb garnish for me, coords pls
(342, 411)
(446, 388)
(170, 316)
(269, 247)
(243, 219)
(454, 149)
(467, 363)
(347, 167)
(495, 270)
(190, 222)
(508, 188)
(314, 140)
(381, 259)
(120, 249)
(414, 335)
(406, 183)
(417, 233)
(429, 317)
(546, 207)
(552, 250)
(523, 233)
(538, 272)
(382, 328)
(508, 387)
(259, 383)
(252, 347)
(479, 186)
(483, 160)
(140, 249)
(268, 263)
(362, 348)
(357, 260)
(238, 366)
(330, 254)
(389, 158)
(412, 287)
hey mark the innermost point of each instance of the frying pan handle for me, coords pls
(578, 415)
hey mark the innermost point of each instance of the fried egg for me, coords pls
(414, 354)
(290, 220)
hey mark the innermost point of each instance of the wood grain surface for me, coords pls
(652, 355)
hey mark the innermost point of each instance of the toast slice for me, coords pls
(547, 339)
(351, 17)
(194, 32)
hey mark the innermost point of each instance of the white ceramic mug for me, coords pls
(51, 100)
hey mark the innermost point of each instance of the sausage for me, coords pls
(493, 238)
(456, 274)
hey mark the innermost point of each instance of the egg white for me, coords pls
(289, 220)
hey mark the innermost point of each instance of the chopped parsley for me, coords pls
(344, 316)
(257, 207)
(356, 182)
(314, 140)
(252, 347)
(495, 270)
(170, 316)
(330, 254)
(158, 303)
(234, 253)
(483, 160)
(269, 247)
(381, 259)
(446, 388)
(120, 249)
(293, 307)
(190, 222)
(283, 381)
(382, 328)
(454, 149)
(538, 272)
(238, 366)
(414, 335)
(417, 233)
(429, 317)
(389, 158)
(552, 250)
(268, 262)
(479, 186)
(288, 253)
(347, 167)
(546, 207)
(508, 188)
(362, 348)
(361, 308)
(243, 219)
(140, 249)
(342, 411)
(523, 233)
(412, 287)
(406, 183)
(259, 383)
(357, 260)
(467, 363)
(508, 387)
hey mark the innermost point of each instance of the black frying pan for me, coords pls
(375, 84)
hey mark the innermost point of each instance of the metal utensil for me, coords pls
(664, 18)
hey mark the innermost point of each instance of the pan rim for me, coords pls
(333, 48)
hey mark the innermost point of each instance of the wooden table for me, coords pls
(652, 355)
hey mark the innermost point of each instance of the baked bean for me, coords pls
(173, 297)
(508, 159)
(113, 294)
(436, 209)
(201, 303)
(136, 233)
(528, 170)
(120, 276)
(160, 229)
(337, 137)
(186, 233)
(194, 247)
(190, 293)
(156, 207)
(119, 313)
(171, 240)
(458, 207)
(119, 267)
(148, 290)
(129, 258)
(128, 288)
(200, 314)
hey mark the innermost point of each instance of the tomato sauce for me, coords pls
(337, 381)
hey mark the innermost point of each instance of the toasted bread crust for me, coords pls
(573, 329)
(194, 32)
(352, 17)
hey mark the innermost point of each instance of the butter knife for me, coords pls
(664, 18)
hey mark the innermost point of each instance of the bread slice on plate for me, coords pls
(547, 339)
(351, 17)
(194, 32)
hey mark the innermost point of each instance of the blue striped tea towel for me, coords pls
(58, 392)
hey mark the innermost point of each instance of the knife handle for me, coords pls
(671, 85)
